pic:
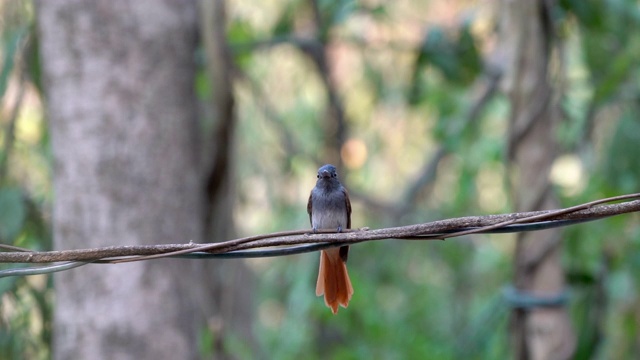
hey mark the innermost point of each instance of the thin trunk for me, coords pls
(539, 333)
(231, 296)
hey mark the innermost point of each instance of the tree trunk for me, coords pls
(233, 303)
(542, 332)
(119, 83)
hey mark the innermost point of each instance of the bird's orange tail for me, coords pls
(333, 280)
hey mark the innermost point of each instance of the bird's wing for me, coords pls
(309, 208)
(348, 204)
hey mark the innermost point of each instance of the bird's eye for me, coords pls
(318, 176)
(334, 175)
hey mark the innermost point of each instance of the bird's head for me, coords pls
(327, 174)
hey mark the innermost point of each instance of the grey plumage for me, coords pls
(329, 208)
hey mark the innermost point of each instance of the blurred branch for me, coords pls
(428, 172)
(531, 115)
(10, 130)
(13, 63)
(336, 127)
(436, 230)
(297, 41)
(219, 66)
(312, 42)
(315, 49)
(287, 138)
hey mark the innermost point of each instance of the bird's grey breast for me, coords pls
(329, 210)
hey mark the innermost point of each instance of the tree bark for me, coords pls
(119, 85)
(538, 333)
(233, 303)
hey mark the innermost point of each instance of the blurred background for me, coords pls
(429, 109)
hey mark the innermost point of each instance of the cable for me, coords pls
(38, 270)
(292, 250)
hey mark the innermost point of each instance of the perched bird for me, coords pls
(329, 208)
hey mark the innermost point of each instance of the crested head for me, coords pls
(328, 168)
(327, 174)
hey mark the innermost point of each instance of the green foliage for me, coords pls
(405, 96)
(611, 50)
(12, 212)
(455, 56)
(12, 42)
(623, 172)
(25, 307)
(239, 31)
(600, 258)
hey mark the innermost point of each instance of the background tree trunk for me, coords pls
(119, 82)
(540, 333)
(233, 303)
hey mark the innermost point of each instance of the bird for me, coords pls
(329, 208)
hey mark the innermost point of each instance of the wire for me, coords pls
(39, 270)
(540, 225)
(284, 251)
(528, 223)
(527, 300)
(245, 254)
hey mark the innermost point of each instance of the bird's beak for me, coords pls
(326, 174)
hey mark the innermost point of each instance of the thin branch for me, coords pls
(218, 68)
(336, 125)
(262, 99)
(13, 248)
(546, 215)
(269, 252)
(428, 231)
(428, 172)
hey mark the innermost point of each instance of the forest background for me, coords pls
(144, 123)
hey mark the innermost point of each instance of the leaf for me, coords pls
(284, 25)
(468, 53)
(589, 13)
(622, 165)
(240, 35)
(343, 11)
(456, 57)
(10, 47)
(203, 85)
(336, 12)
(32, 58)
(378, 12)
(12, 213)
(617, 72)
